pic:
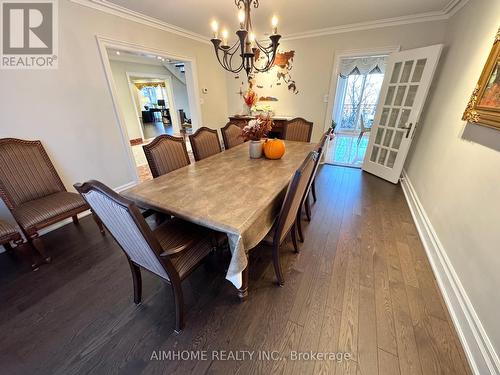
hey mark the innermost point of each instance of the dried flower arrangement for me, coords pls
(251, 98)
(258, 128)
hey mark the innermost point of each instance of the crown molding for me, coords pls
(449, 10)
(452, 7)
(116, 10)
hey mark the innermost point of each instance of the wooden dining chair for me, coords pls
(286, 222)
(322, 145)
(298, 130)
(231, 135)
(166, 154)
(171, 251)
(204, 143)
(306, 203)
(33, 191)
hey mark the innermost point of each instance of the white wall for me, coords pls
(70, 109)
(313, 65)
(120, 69)
(455, 168)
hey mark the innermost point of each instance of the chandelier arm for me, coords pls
(271, 58)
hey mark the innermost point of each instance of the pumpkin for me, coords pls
(274, 148)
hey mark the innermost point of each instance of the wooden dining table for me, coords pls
(227, 192)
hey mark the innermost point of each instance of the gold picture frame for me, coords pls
(484, 105)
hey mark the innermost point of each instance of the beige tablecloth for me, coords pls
(228, 192)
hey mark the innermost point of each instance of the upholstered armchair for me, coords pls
(231, 135)
(204, 143)
(33, 191)
(298, 129)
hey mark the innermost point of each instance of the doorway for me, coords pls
(160, 68)
(359, 80)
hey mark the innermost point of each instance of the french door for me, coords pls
(404, 90)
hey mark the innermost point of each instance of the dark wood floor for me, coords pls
(154, 129)
(361, 285)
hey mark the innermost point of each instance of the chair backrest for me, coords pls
(26, 172)
(124, 221)
(298, 129)
(204, 143)
(294, 197)
(231, 135)
(166, 154)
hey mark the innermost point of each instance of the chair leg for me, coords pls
(307, 205)
(99, 224)
(75, 220)
(179, 306)
(8, 247)
(243, 291)
(294, 238)
(298, 222)
(37, 243)
(137, 280)
(313, 189)
(277, 265)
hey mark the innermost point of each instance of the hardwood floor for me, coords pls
(360, 285)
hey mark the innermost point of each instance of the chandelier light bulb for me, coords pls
(215, 28)
(224, 37)
(241, 18)
(274, 22)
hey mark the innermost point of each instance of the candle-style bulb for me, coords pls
(241, 18)
(215, 28)
(274, 22)
(252, 37)
(224, 37)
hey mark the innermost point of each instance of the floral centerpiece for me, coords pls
(254, 131)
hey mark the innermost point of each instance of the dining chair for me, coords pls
(171, 251)
(286, 222)
(204, 143)
(319, 150)
(9, 234)
(33, 191)
(298, 129)
(166, 154)
(231, 135)
(364, 129)
(322, 145)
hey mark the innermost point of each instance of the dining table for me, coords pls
(230, 193)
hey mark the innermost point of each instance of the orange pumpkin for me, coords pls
(274, 148)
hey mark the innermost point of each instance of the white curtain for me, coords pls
(363, 65)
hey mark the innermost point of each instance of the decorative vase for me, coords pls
(255, 149)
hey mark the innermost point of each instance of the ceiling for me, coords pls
(296, 16)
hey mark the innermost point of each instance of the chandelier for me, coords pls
(247, 47)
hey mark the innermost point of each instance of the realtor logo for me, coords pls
(29, 34)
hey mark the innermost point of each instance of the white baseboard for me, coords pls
(478, 348)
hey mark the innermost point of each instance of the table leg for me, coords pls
(243, 291)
